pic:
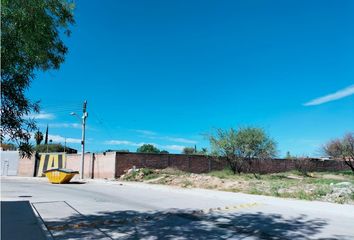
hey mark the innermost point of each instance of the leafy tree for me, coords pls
(164, 152)
(118, 150)
(204, 151)
(194, 151)
(8, 147)
(30, 42)
(188, 150)
(38, 136)
(288, 155)
(342, 148)
(148, 148)
(49, 148)
(238, 146)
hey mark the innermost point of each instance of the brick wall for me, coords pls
(188, 163)
(114, 164)
(203, 164)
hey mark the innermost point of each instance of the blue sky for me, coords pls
(166, 72)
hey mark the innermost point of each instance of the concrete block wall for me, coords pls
(96, 165)
(26, 166)
(73, 161)
(104, 165)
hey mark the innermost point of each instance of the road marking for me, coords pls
(231, 208)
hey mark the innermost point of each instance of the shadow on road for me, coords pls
(19, 222)
(75, 182)
(180, 224)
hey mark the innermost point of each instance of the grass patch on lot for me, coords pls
(324, 186)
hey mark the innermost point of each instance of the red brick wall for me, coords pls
(203, 164)
(188, 163)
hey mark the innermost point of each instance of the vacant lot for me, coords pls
(337, 187)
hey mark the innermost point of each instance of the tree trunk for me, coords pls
(350, 164)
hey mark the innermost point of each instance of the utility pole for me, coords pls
(84, 116)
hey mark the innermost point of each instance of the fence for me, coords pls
(114, 164)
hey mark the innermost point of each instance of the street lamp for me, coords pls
(83, 119)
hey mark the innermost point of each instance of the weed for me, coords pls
(151, 176)
(255, 191)
(187, 183)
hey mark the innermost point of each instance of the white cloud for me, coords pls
(123, 142)
(61, 139)
(41, 115)
(153, 135)
(145, 132)
(172, 147)
(135, 144)
(61, 125)
(332, 97)
(180, 140)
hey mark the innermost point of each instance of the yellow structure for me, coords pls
(50, 160)
(60, 175)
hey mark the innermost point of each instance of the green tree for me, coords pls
(31, 33)
(8, 146)
(148, 148)
(343, 149)
(288, 155)
(188, 150)
(204, 151)
(38, 136)
(238, 146)
(49, 148)
(194, 151)
(164, 152)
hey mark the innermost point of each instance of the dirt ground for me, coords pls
(329, 187)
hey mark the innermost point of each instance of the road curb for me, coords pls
(42, 225)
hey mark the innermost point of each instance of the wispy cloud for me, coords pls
(153, 135)
(138, 144)
(61, 139)
(145, 132)
(62, 125)
(178, 140)
(42, 115)
(332, 97)
(123, 142)
(172, 147)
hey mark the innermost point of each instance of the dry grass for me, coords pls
(335, 187)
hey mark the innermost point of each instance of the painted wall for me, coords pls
(46, 161)
(9, 163)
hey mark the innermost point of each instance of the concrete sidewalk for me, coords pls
(19, 222)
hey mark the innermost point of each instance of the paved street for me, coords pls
(115, 210)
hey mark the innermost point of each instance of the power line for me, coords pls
(103, 124)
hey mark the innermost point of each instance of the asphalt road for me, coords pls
(116, 210)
